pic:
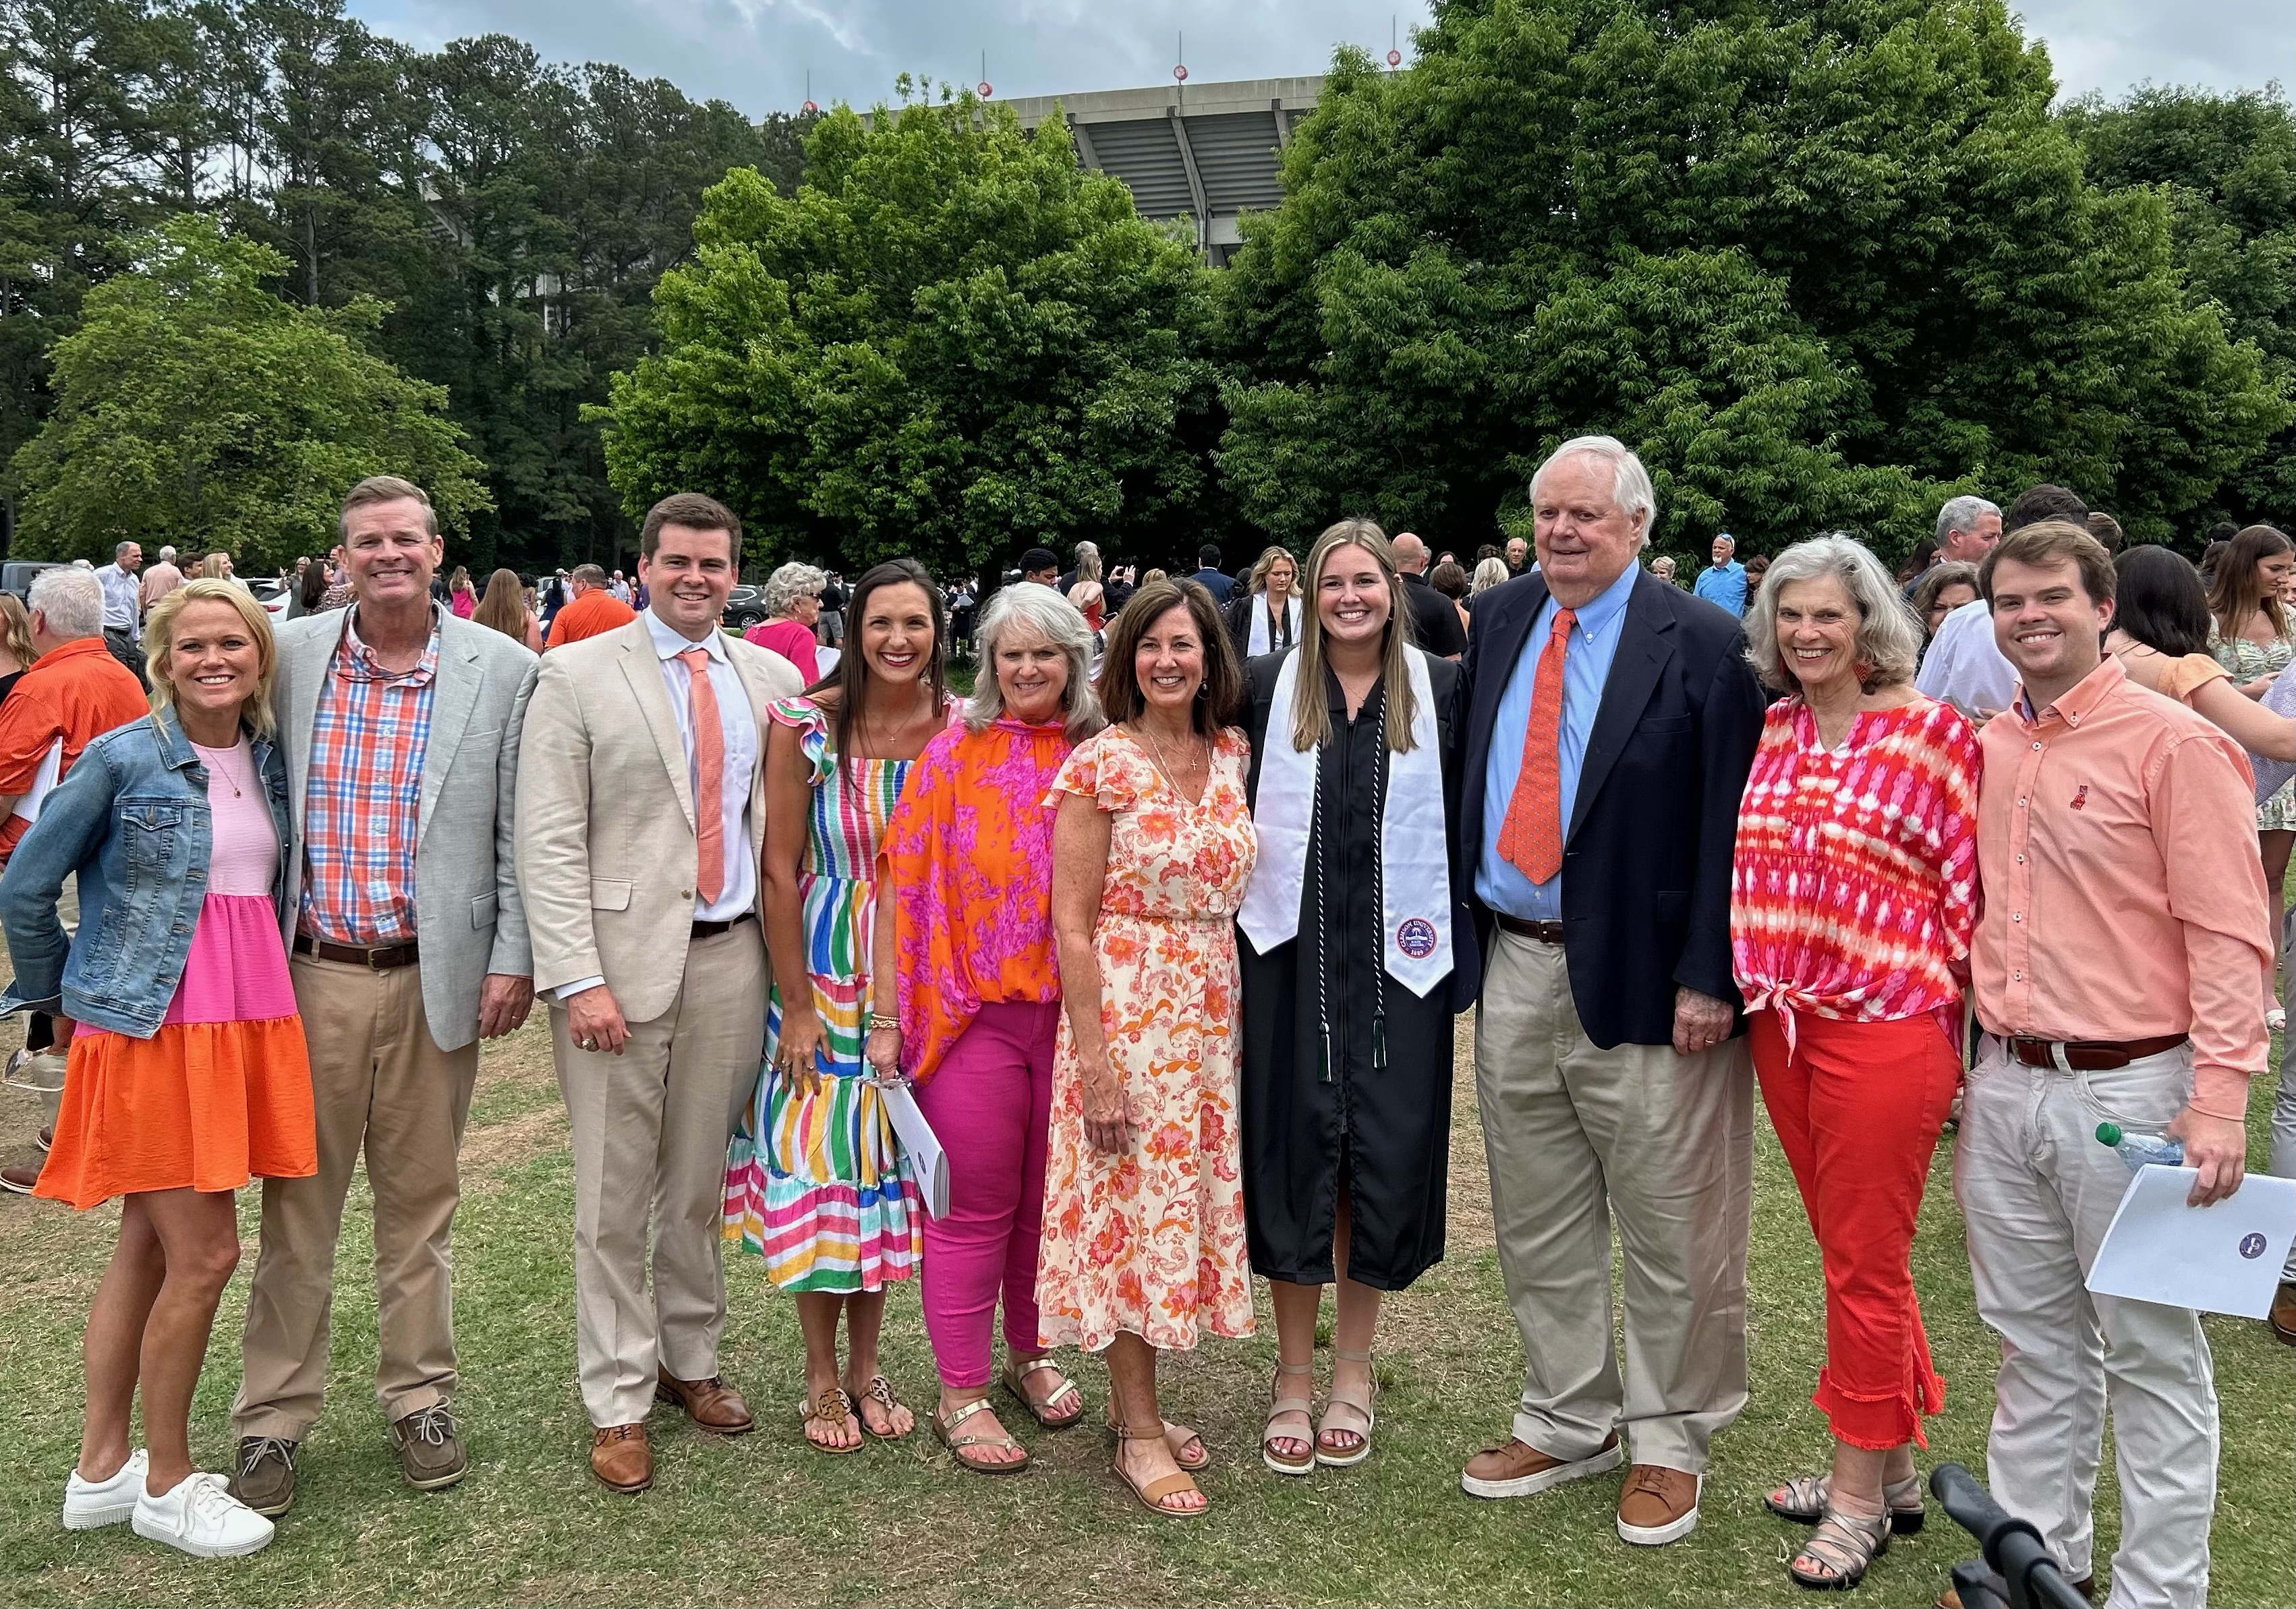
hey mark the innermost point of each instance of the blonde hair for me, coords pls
(1311, 717)
(16, 630)
(212, 567)
(159, 636)
(1258, 580)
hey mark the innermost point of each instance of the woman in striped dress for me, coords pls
(815, 1177)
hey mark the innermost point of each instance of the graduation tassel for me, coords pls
(1324, 1065)
(1379, 1040)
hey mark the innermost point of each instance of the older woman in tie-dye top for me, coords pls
(965, 920)
(1852, 898)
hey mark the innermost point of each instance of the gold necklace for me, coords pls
(1164, 766)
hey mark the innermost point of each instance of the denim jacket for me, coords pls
(131, 817)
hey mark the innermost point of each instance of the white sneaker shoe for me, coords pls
(90, 1504)
(201, 1518)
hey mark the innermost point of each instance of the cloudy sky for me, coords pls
(758, 53)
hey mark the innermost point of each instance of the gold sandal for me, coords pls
(1018, 1369)
(832, 1407)
(1337, 1404)
(1284, 1408)
(880, 1391)
(1153, 1493)
(944, 1431)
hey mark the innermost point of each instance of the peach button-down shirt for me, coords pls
(2123, 895)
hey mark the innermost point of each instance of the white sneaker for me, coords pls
(90, 1504)
(201, 1518)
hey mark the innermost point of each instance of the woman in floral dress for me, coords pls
(2254, 638)
(815, 1177)
(1144, 1243)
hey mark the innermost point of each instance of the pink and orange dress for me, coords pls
(222, 1093)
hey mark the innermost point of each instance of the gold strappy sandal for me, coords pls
(945, 1432)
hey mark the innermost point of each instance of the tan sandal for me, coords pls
(1040, 1408)
(1153, 1493)
(832, 1407)
(1302, 1408)
(1841, 1549)
(944, 1431)
(880, 1391)
(1178, 1438)
(1337, 1405)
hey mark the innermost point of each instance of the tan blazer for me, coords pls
(606, 841)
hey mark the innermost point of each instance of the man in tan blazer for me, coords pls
(641, 820)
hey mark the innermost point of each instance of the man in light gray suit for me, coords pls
(401, 725)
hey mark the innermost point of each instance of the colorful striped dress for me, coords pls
(817, 1182)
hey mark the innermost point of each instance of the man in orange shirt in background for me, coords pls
(593, 612)
(74, 693)
(2117, 966)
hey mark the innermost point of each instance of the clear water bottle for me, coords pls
(2137, 1148)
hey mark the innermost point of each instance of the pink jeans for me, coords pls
(990, 1105)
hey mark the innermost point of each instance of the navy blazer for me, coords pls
(1646, 858)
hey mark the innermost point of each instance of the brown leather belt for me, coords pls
(377, 957)
(2089, 1055)
(1545, 932)
(703, 930)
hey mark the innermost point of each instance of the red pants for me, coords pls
(1858, 1107)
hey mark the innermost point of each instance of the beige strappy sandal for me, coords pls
(945, 1432)
(1153, 1494)
(1805, 1498)
(1302, 1408)
(1337, 1404)
(1040, 1408)
(1842, 1548)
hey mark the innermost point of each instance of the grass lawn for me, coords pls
(762, 1520)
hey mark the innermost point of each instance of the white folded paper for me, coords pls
(921, 1146)
(2220, 1259)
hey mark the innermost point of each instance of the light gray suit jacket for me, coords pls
(606, 840)
(468, 917)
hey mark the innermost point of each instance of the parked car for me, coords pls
(745, 607)
(272, 593)
(16, 576)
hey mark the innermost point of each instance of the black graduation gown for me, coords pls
(1391, 1125)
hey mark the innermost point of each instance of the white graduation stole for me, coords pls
(1258, 643)
(1415, 868)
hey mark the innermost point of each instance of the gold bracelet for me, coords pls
(879, 1020)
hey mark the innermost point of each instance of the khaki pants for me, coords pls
(379, 1083)
(650, 1128)
(2038, 1192)
(1574, 1135)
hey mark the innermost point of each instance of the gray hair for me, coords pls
(119, 549)
(70, 599)
(1489, 574)
(1888, 639)
(1058, 622)
(167, 555)
(1962, 514)
(1630, 483)
(789, 583)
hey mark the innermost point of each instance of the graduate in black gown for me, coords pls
(1358, 954)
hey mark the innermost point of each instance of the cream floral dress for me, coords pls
(1151, 1242)
(2247, 661)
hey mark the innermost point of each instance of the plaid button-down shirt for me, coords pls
(364, 795)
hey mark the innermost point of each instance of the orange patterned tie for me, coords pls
(1531, 837)
(709, 774)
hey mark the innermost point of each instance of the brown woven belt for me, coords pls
(376, 958)
(1545, 932)
(2089, 1055)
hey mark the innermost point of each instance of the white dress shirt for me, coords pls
(123, 600)
(1964, 665)
(738, 896)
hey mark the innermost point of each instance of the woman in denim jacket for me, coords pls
(188, 1074)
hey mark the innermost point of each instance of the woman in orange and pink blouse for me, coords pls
(1852, 900)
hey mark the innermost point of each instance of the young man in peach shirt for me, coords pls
(2117, 967)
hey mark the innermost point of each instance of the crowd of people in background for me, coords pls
(1134, 975)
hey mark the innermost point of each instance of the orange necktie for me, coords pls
(709, 774)
(1531, 836)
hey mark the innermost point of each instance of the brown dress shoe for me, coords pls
(1658, 1505)
(712, 1403)
(2282, 1315)
(1520, 1470)
(620, 1457)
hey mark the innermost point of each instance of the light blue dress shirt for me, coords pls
(1724, 585)
(1587, 659)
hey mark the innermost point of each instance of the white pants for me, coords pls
(2037, 1191)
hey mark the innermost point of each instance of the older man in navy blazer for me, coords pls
(1612, 721)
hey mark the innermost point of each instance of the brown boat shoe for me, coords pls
(1658, 1506)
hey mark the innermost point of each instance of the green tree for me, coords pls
(194, 406)
(2225, 165)
(949, 343)
(1820, 264)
